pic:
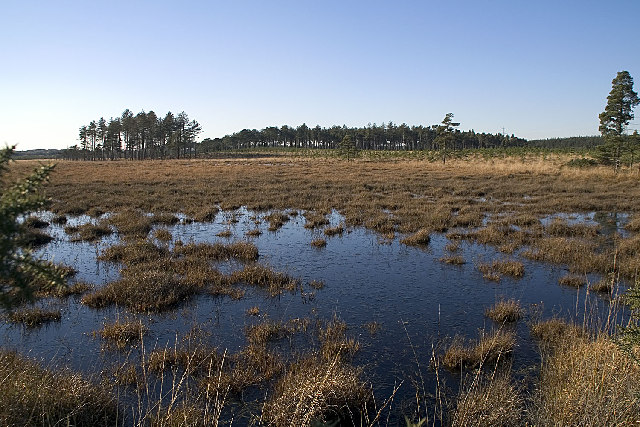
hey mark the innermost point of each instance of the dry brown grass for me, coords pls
(315, 390)
(590, 383)
(489, 401)
(572, 280)
(332, 231)
(489, 348)
(32, 395)
(506, 267)
(34, 316)
(264, 277)
(122, 333)
(319, 243)
(453, 260)
(89, 232)
(419, 238)
(505, 311)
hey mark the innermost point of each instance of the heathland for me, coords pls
(491, 223)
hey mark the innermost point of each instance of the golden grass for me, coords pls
(122, 333)
(419, 238)
(32, 395)
(453, 260)
(505, 311)
(332, 231)
(588, 382)
(264, 277)
(319, 243)
(489, 401)
(572, 280)
(490, 347)
(315, 390)
(34, 316)
(506, 267)
(88, 232)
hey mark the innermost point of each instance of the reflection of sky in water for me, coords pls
(417, 299)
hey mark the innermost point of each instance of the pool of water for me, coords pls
(418, 301)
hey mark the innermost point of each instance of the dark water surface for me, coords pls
(418, 301)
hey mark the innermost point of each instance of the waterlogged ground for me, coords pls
(418, 302)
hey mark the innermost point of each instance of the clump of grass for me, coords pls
(265, 332)
(143, 290)
(90, 232)
(453, 259)
(319, 243)
(253, 311)
(419, 238)
(332, 231)
(315, 390)
(603, 286)
(134, 252)
(572, 280)
(226, 233)
(552, 332)
(581, 256)
(35, 222)
(489, 401)
(561, 227)
(588, 382)
(505, 311)
(372, 327)
(59, 219)
(490, 348)
(193, 359)
(264, 277)
(131, 223)
(453, 246)
(243, 251)
(32, 395)
(34, 238)
(207, 214)
(163, 235)
(334, 342)
(316, 284)
(314, 220)
(506, 267)
(276, 220)
(122, 333)
(254, 232)
(34, 316)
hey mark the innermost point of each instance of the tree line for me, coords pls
(386, 136)
(140, 136)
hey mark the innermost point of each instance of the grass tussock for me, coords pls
(32, 395)
(588, 382)
(122, 333)
(315, 220)
(489, 401)
(33, 238)
(142, 290)
(34, 316)
(314, 390)
(88, 232)
(332, 231)
(554, 331)
(226, 233)
(419, 238)
(276, 220)
(453, 260)
(319, 243)
(603, 286)
(264, 277)
(254, 232)
(242, 251)
(489, 348)
(572, 280)
(505, 267)
(131, 223)
(35, 222)
(505, 311)
(580, 255)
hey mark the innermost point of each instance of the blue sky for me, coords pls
(537, 68)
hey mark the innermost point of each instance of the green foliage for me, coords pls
(614, 119)
(20, 272)
(445, 136)
(348, 148)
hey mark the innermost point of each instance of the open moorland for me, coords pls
(288, 290)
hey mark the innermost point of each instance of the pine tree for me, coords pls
(616, 116)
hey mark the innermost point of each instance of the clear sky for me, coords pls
(537, 68)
